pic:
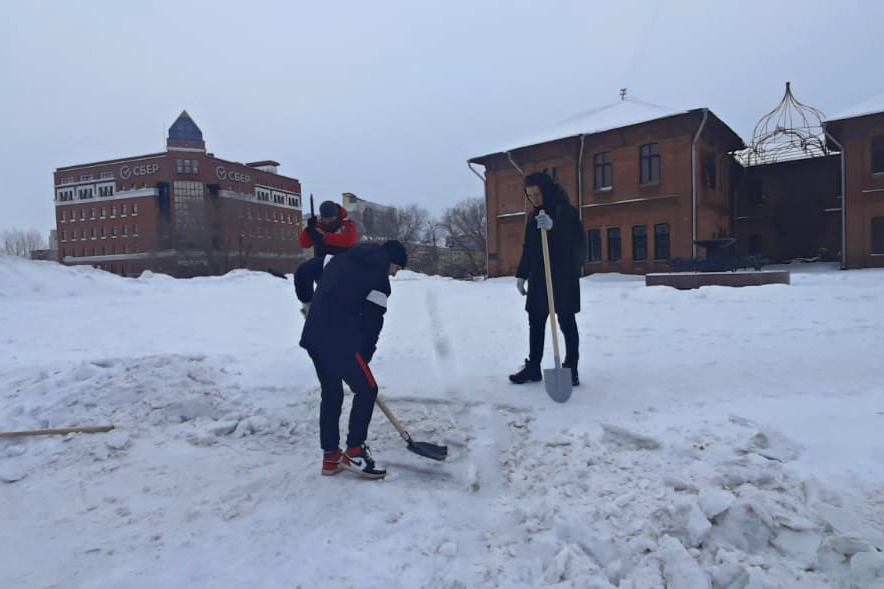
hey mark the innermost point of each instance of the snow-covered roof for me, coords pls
(873, 105)
(622, 113)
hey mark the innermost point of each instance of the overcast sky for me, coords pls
(389, 99)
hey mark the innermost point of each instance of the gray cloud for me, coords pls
(389, 99)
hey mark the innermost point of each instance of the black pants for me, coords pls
(537, 333)
(333, 371)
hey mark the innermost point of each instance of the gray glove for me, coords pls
(544, 221)
(520, 285)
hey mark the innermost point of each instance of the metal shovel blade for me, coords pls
(558, 383)
(428, 450)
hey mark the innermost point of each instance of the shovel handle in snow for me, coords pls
(392, 418)
(425, 449)
(90, 429)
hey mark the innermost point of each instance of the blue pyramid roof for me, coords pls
(184, 128)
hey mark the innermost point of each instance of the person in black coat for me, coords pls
(567, 254)
(340, 334)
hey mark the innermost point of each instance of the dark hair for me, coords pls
(396, 251)
(329, 209)
(553, 194)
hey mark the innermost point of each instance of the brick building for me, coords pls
(647, 181)
(182, 211)
(790, 209)
(860, 132)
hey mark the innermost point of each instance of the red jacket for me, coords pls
(333, 242)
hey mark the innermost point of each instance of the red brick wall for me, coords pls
(865, 191)
(269, 238)
(627, 203)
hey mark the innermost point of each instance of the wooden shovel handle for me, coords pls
(549, 293)
(91, 429)
(391, 417)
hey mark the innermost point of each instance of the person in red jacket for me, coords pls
(331, 233)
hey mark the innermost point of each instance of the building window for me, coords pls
(103, 212)
(91, 212)
(614, 244)
(708, 171)
(92, 232)
(196, 166)
(125, 230)
(105, 175)
(113, 212)
(134, 208)
(604, 167)
(755, 193)
(878, 235)
(85, 177)
(755, 244)
(103, 232)
(64, 235)
(878, 154)
(67, 180)
(594, 241)
(649, 162)
(114, 231)
(135, 230)
(639, 243)
(187, 166)
(122, 210)
(661, 241)
(83, 235)
(179, 166)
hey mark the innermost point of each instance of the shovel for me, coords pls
(558, 379)
(425, 449)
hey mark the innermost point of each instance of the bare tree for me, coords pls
(467, 227)
(410, 224)
(17, 242)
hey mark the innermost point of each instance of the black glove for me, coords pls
(311, 222)
(315, 235)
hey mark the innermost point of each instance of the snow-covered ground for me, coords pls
(721, 438)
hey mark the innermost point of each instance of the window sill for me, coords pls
(604, 190)
(649, 184)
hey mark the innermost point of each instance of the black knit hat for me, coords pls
(329, 209)
(396, 251)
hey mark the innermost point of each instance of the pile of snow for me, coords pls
(722, 438)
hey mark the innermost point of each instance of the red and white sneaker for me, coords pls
(359, 460)
(331, 462)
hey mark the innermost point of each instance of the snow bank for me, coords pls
(721, 438)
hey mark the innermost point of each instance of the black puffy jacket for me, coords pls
(347, 310)
(567, 253)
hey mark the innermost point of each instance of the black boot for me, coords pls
(529, 373)
(575, 380)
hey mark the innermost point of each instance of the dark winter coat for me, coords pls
(347, 311)
(567, 254)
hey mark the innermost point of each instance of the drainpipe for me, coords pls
(694, 182)
(580, 180)
(515, 165)
(843, 202)
(488, 225)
